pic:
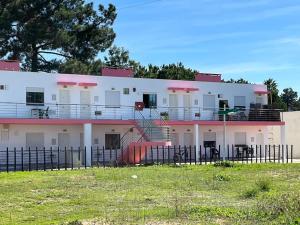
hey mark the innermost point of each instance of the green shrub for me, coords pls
(264, 184)
(251, 193)
(224, 164)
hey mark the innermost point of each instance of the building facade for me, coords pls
(115, 110)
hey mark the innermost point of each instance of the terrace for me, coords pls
(103, 112)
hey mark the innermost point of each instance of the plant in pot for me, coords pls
(164, 115)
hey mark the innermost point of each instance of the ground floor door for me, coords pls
(174, 139)
(260, 139)
(64, 103)
(64, 143)
(34, 140)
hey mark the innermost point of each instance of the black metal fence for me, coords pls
(75, 158)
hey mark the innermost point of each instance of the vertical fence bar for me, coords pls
(205, 159)
(292, 149)
(92, 158)
(103, 156)
(190, 155)
(79, 158)
(251, 154)
(269, 153)
(58, 158)
(65, 157)
(168, 154)
(287, 154)
(85, 157)
(279, 151)
(51, 158)
(22, 159)
(283, 155)
(274, 154)
(36, 158)
(195, 155)
(232, 153)
(200, 154)
(29, 159)
(260, 153)
(255, 153)
(98, 155)
(228, 156)
(44, 156)
(157, 155)
(174, 154)
(179, 150)
(72, 160)
(7, 160)
(163, 154)
(15, 159)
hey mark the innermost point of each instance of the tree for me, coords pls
(239, 81)
(73, 66)
(117, 57)
(273, 97)
(289, 97)
(33, 31)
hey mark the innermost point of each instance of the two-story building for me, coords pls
(40, 109)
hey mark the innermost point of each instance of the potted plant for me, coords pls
(164, 115)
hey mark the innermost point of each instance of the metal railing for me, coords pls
(163, 114)
(28, 159)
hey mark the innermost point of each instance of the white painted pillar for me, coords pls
(87, 141)
(282, 138)
(197, 142)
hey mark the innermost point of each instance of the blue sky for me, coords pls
(253, 39)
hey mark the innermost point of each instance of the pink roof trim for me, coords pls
(208, 77)
(182, 89)
(10, 65)
(84, 84)
(117, 72)
(262, 92)
(66, 83)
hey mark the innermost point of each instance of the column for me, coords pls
(87, 141)
(282, 138)
(197, 143)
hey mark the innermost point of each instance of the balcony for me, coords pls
(102, 112)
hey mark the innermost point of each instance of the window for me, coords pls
(3, 87)
(112, 141)
(240, 138)
(34, 96)
(209, 102)
(150, 100)
(112, 99)
(126, 91)
(239, 102)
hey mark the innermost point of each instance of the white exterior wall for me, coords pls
(17, 82)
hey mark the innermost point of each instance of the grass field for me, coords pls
(243, 194)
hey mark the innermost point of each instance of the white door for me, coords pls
(259, 100)
(188, 139)
(187, 107)
(260, 139)
(34, 140)
(112, 103)
(174, 139)
(64, 143)
(64, 103)
(173, 107)
(85, 105)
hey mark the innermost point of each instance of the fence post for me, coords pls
(103, 156)
(251, 152)
(269, 153)
(260, 153)
(163, 154)
(58, 159)
(179, 150)
(29, 152)
(232, 153)
(274, 153)
(279, 153)
(51, 158)
(15, 159)
(98, 156)
(287, 154)
(195, 154)
(292, 153)
(190, 155)
(200, 153)
(85, 157)
(22, 159)
(44, 153)
(157, 155)
(168, 154)
(36, 158)
(72, 161)
(205, 159)
(65, 157)
(7, 158)
(91, 156)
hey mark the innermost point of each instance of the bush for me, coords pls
(251, 193)
(263, 185)
(224, 164)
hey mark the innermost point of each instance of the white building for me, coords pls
(62, 110)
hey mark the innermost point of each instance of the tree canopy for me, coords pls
(68, 29)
